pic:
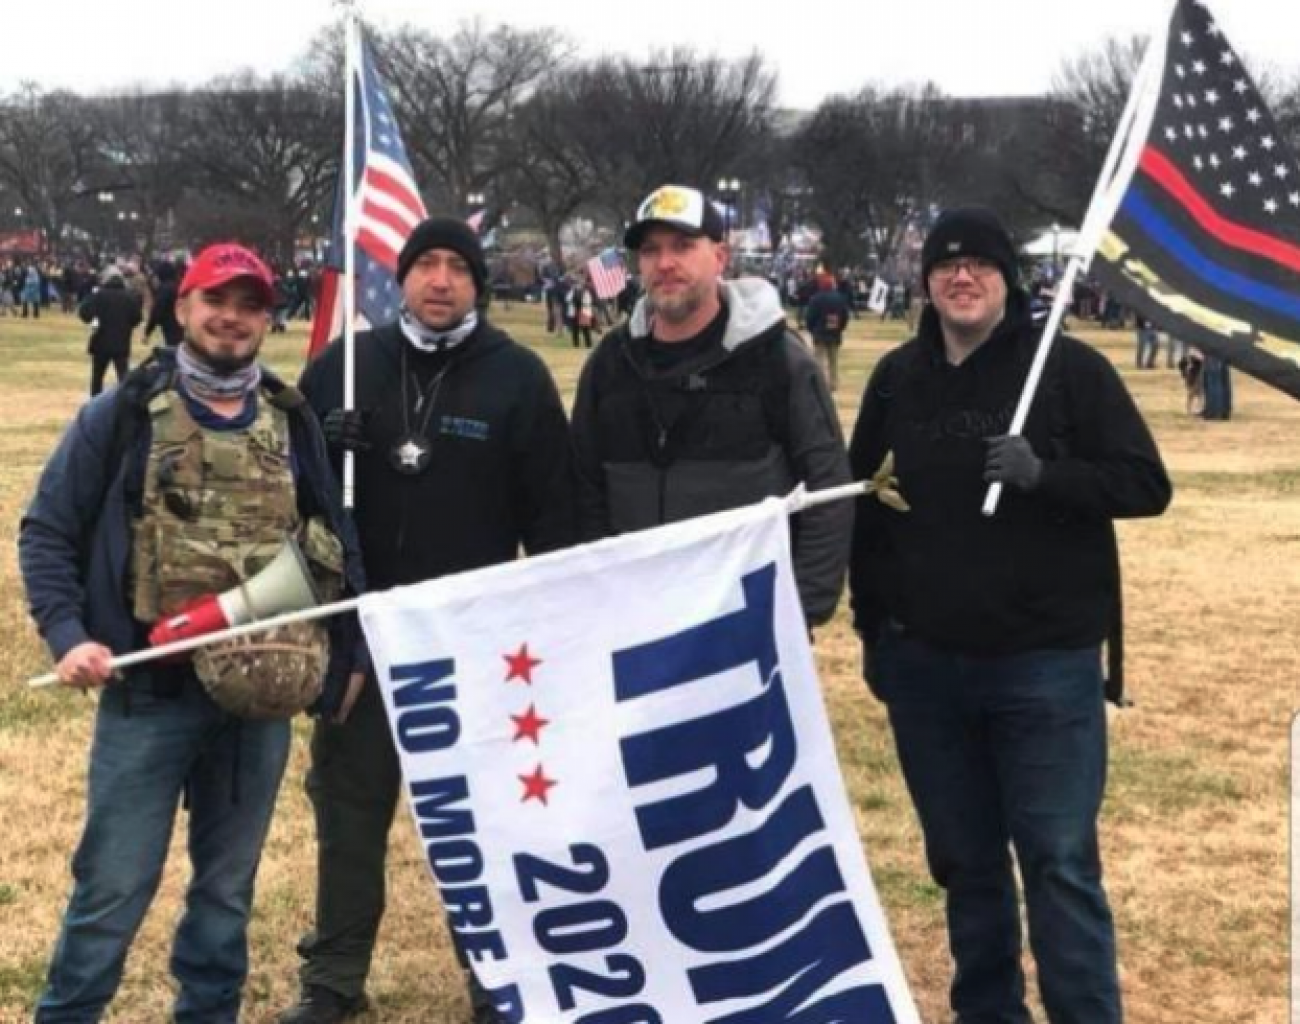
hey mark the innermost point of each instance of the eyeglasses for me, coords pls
(976, 266)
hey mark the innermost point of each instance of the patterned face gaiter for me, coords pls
(426, 339)
(205, 382)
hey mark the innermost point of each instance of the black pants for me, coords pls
(354, 782)
(574, 330)
(99, 364)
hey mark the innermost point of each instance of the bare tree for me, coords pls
(682, 118)
(1286, 111)
(1064, 154)
(547, 174)
(870, 161)
(835, 151)
(47, 141)
(141, 143)
(456, 99)
(774, 181)
(270, 149)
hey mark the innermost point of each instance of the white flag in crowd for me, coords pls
(878, 300)
(621, 772)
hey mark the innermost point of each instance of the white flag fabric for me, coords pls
(621, 772)
(879, 297)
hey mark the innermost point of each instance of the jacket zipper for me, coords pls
(663, 477)
(433, 398)
(661, 438)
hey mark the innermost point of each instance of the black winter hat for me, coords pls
(969, 231)
(445, 233)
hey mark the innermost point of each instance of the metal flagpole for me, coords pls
(352, 49)
(1121, 160)
(796, 501)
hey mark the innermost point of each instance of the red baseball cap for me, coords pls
(218, 264)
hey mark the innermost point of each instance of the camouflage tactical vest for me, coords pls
(217, 507)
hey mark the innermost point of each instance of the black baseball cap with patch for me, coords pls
(678, 207)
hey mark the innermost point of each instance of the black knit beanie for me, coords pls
(445, 233)
(969, 231)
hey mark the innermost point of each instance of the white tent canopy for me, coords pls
(1059, 243)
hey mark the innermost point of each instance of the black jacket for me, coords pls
(748, 419)
(1044, 571)
(827, 316)
(501, 470)
(162, 315)
(118, 313)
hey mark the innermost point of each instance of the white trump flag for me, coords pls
(622, 776)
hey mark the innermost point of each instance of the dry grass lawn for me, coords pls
(1195, 824)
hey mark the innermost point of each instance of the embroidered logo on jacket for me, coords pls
(461, 426)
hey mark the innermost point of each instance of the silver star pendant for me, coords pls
(410, 455)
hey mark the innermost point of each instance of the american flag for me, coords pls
(388, 208)
(607, 273)
(1206, 240)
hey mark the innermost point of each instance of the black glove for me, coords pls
(347, 429)
(1011, 460)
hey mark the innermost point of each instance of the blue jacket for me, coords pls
(74, 542)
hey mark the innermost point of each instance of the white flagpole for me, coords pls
(148, 654)
(796, 501)
(352, 47)
(1117, 171)
(1134, 127)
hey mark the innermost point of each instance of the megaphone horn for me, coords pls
(283, 585)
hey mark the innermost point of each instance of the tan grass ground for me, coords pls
(1195, 824)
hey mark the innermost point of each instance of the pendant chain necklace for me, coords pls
(412, 451)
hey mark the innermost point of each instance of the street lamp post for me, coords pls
(126, 220)
(729, 190)
(105, 200)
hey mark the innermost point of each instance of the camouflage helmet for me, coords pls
(271, 674)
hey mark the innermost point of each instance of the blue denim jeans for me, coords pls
(1148, 347)
(1218, 389)
(146, 753)
(1002, 753)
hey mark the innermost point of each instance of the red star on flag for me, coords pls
(521, 665)
(536, 786)
(529, 725)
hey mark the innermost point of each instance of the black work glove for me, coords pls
(347, 429)
(1011, 460)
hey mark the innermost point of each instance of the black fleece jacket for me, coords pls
(1044, 571)
(501, 473)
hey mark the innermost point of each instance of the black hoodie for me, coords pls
(500, 475)
(1044, 571)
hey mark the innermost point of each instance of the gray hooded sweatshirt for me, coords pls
(637, 471)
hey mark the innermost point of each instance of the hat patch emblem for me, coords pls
(667, 202)
(954, 246)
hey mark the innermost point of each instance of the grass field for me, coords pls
(1195, 826)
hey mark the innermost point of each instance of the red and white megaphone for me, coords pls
(284, 585)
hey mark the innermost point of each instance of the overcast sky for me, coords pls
(970, 47)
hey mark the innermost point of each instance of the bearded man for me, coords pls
(705, 400)
(183, 482)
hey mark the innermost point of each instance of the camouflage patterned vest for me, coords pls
(217, 507)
